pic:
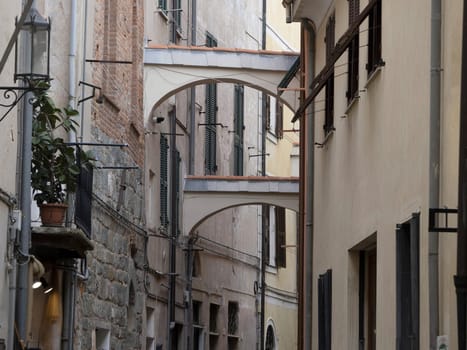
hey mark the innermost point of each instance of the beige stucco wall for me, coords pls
(8, 145)
(372, 173)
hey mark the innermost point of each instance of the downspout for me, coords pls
(191, 164)
(24, 242)
(10, 201)
(434, 171)
(306, 195)
(264, 224)
(69, 275)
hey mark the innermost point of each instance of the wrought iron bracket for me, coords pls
(11, 95)
(434, 224)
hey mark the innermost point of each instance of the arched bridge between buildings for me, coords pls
(170, 69)
(204, 196)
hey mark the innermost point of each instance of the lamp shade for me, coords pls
(32, 53)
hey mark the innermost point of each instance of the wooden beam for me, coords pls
(320, 80)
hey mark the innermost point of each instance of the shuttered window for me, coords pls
(274, 117)
(162, 4)
(329, 107)
(352, 83)
(238, 129)
(177, 193)
(164, 186)
(374, 38)
(408, 289)
(324, 310)
(280, 237)
(210, 151)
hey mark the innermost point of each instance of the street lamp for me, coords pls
(34, 39)
(32, 57)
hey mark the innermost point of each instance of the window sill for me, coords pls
(326, 139)
(373, 75)
(163, 13)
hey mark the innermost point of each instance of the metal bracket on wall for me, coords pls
(434, 220)
(12, 95)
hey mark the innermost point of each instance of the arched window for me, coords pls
(270, 339)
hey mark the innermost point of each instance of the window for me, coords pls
(176, 21)
(210, 152)
(275, 255)
(270, 339)
(352, 83)
(324, 310)
(213, 328)
(150, 328)
(367, 299)
(162, 5)
(374, 38)
(164, 186)
(274, 117)
(407, 284)
(329, 102)
(232, 325)
(238, 129)
(177, 186)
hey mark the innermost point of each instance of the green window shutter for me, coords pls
(210, 151)
(163, 5)
(164, 186)
(280, 237)
(238, 129)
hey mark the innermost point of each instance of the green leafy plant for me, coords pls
(55, 163)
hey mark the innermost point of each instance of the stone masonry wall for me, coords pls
(112, 298)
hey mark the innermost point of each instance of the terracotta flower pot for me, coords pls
(52, 214)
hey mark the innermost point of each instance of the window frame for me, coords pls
(374, 39)
(239, 116)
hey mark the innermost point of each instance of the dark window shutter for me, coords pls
(268, 112)
(164, 186)
(280, 237)
(352, 82)
(163, 5)
(374, 38)
(279, 120)
(84, 200)
(329, 102)
(324, 310)
(407, 285)
(177, 195)
(238, 129)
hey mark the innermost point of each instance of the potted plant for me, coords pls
(55, 163)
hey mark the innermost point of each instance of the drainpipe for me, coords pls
(69, 275)
(434, 183)
(10, 201)
(22, 296)
(306, 197)
(264, 224)
(460, 279)
(191, 164)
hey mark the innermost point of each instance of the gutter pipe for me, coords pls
(264, 224)
(69, 273)
(434, 170)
